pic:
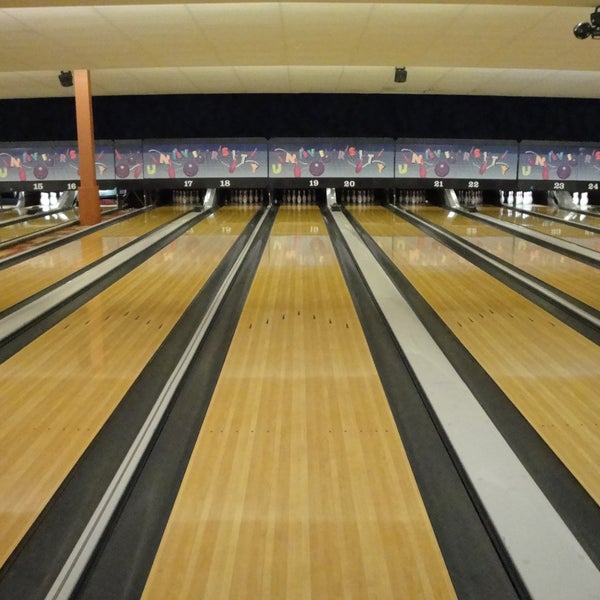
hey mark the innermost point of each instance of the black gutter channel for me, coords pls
(572, 502)
(476, 566)
(526, 235)
(555, 308)
(122, 564)
(46, 320)
(9, 261)
(35, 564)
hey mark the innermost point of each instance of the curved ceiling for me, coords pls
(134, 47)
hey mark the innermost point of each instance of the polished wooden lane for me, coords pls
(10, 212)
(579, 280)
(58, 391)
(298, 486)
(549, 371)
(562, 231)
(25, 244)
(588, 217)
(37, 224)
(24, 279)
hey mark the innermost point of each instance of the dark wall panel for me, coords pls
(275, 115)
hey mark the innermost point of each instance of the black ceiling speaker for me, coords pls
(66, 78)
(400, 75)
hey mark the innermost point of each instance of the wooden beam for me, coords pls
(89, 197)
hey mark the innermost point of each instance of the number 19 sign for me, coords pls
(331, 162)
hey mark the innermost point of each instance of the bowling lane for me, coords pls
(299, 486)
(8, 213)
(24, 279)
(588, 217)
(58, 391)
(37, 224)
(549, 371)
(563, 231)
(567, 274)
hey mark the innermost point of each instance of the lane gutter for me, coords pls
(10, 260)
(28, 319)
(549, 559)
(585, 319)
(36, 561)
(76, 564)
(475, 566)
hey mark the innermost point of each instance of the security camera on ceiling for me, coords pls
(592, 29)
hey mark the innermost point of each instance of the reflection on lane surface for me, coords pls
(576, 235)
(548, 370)
(26, 278)
(571, 276)
(307, 466)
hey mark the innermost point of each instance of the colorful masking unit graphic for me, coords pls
(456, 159)
(589, 163)
(343, 158)
(205, 159)
(129, 160)
(548, 161)
(40, 162)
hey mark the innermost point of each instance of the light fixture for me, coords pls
(585, 30)
(400, 75)
(66, 78)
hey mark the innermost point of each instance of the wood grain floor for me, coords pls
(573, 277)
(24, 279)
(299, 486)
(549, 371)
(58, 391)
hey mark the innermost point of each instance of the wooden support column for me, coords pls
(89, 197)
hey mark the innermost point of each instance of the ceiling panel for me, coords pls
(241, 34)
(147, 47)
